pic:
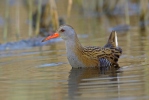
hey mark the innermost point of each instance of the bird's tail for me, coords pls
(112, 41)
(113, 44)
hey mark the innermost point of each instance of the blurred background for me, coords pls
(35, 70)
(24, 19)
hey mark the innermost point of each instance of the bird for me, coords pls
(88, 56)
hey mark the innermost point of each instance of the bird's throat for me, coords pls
(74, 52)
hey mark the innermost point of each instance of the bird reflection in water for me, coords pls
(90, 78)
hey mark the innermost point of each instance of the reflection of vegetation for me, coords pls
(30, 3)
(143, 14)
(49, 20)
(6, 21)
(17, 20)
(69, 8)
(43, 16)
(38, 18)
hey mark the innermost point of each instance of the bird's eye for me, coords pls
(62, 30)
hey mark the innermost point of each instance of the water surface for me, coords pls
(41, 73)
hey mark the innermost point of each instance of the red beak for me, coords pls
(55, 35)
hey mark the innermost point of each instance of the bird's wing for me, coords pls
(106, 56)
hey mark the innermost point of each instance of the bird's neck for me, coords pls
(73, 45)
(74, 52)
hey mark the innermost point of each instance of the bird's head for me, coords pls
(65, 32)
